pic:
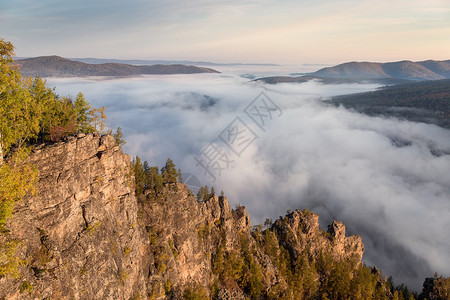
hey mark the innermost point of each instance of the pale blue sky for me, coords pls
(302, 31)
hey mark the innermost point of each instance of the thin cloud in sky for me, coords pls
(268, 31)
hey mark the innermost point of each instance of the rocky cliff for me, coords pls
(85, 235)
(79, 233)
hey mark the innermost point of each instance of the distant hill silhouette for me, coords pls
(438, 67)
(407, 70)
(384, 73)
(330, 80)
(56, 66)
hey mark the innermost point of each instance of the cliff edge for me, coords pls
(78, 234)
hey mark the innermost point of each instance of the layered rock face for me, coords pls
(184, 235)
(79, 233)
(85, 235)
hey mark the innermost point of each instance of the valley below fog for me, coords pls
(388, 180)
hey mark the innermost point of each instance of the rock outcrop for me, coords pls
(300, 230)
(79, 233)
(437, 288)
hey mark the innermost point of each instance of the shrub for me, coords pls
(126, 251)
(26, 286)
(203, 231)
(168, 287)
(195, 292)
(16, 180)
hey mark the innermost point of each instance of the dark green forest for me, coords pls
(425, 101)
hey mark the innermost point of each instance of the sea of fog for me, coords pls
(275, 148)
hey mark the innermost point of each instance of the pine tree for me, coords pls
(154, 179)
(118, 137)
(98, 118)
(202, 193)
(83, 114)
(169, 172)
(139, 175)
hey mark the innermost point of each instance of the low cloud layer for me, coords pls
(387, 180)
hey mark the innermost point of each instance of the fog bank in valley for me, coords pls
(387, 180)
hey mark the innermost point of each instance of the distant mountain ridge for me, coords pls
(90, 60)
(56, 66)
(384, 73)
(407, 70)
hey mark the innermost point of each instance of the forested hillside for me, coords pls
(56, 66)
(427, 101)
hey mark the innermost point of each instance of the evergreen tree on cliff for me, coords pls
(82, 109)
(169, 172)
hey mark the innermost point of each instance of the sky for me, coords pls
(262, 31)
